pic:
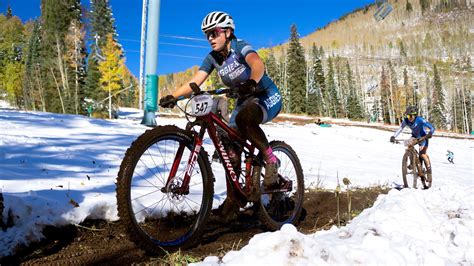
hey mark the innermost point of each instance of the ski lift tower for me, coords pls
(151, 63)
(383, 9)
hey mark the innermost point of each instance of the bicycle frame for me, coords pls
(416, 157)
(209, 123)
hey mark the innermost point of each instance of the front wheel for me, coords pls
(157, 212)
(409, 168)
(277, 208)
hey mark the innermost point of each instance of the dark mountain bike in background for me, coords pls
(412, 166)
(165, 185)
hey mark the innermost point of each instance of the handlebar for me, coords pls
(415, 142)
(197, 91)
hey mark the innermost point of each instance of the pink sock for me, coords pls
(271, 158)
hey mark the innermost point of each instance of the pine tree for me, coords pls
(398, 94)
(282, 81)
(296, 73)
(321, 81)
(354, 107)
(315, 99)
(9, 14)
(467, 96)
(331, 95)
(32, 58)
(375, 111)
(408, 6)
(112, 69)
(409, 100)
(425, 5)
(457, 123)
(101, 24)
(341, 86)
(439, 110)
(385, 96)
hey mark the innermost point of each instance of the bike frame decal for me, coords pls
(192, 161)
(227, 163)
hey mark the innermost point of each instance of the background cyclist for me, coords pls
(417, 124)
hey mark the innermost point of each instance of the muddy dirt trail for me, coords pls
(105, 243)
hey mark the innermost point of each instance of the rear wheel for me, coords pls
(428, 174)
(277, 208)
(154, 212)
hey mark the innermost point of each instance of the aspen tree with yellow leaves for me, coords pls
(112, 69)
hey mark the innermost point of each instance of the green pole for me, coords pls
(151, 63)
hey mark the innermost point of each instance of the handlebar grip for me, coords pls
(195, 87)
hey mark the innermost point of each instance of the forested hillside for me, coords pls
(45, 64)
(364, 69)
(69, 61)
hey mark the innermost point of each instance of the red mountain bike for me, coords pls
(165, 185)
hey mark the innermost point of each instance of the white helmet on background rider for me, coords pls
(217, 19)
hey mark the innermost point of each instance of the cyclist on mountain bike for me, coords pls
(417, 125)
(239, 66)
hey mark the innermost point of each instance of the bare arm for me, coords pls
(257, 66)
(185, 89)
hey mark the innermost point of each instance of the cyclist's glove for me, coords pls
(392, 139)
(169, 101)
(429, 135)
(247, 88)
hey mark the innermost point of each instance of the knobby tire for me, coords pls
(158, 227)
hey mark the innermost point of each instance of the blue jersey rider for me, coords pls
(450, 155)
(239, 66)
(417, 124)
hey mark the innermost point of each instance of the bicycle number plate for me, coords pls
(201, 104)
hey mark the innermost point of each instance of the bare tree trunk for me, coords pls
(391, 109)
(61, 67)
(59, 91)
(27, 94)
(110, 103)
(40, 88)
(464, 111)
(76, 63)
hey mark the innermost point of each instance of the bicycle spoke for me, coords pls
(146, 207)
(155, 165)
(151, 183)
(147, 194)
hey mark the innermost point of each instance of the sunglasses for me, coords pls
(411, 116)
(214, 33)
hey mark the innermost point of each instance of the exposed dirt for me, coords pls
(101, 242)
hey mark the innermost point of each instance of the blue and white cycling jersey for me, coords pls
(417, 128)
(234, 70)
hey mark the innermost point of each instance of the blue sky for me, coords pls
(262, 23)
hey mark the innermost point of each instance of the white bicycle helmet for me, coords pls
(217, 19)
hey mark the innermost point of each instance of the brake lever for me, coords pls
(195, 88)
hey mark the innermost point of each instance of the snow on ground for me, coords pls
(60, 169)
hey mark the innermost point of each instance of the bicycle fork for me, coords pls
(183, 189)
